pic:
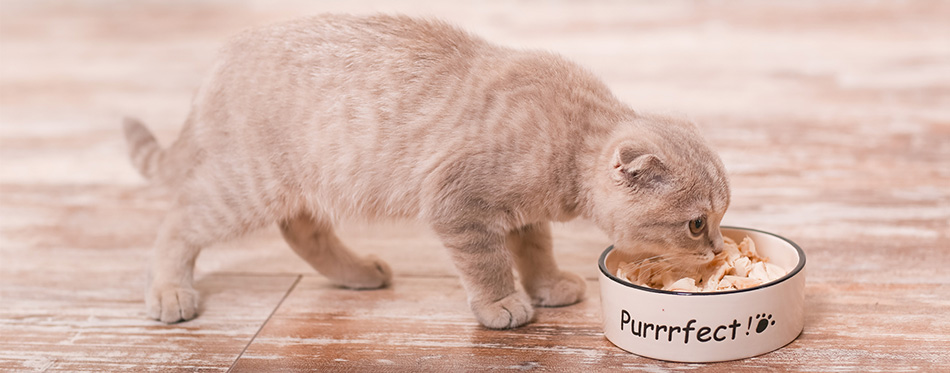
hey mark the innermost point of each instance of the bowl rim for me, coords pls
(602, 263)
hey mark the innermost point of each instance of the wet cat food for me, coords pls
(737, 267)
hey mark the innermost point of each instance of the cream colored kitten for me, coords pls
(316, 120)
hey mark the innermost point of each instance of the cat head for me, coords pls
(661, 191)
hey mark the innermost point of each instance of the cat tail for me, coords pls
(146, 155)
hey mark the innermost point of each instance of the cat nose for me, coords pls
(717, 247)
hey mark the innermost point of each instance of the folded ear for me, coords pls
(638, 170)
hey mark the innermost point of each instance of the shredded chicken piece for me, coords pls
(737, 267)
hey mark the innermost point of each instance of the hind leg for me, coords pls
(545, 283)
(316, 243)
(170, 296)
(204, 213)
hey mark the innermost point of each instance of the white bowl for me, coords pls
(706, 327)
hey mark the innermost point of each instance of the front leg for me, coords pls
(485, 267)
(547, 285)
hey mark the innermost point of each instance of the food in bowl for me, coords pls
(706, 326)
(738, 266)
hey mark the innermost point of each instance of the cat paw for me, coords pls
(509, 312)
(171, 304)
(564, 289)
(369, 273)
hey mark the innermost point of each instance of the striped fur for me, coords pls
(310, 122)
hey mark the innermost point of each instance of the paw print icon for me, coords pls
(763, 322)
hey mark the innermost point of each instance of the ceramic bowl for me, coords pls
(707, 327)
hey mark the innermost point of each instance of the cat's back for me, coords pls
(378, 30)
(310, 69)
(372, 113)
(354, 44)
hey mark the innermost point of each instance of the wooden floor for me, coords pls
(833, 119)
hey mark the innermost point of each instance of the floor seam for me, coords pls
(263, 324)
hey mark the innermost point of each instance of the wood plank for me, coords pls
(424, 324)
(72, 280)
(95, 320)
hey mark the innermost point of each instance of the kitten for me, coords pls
(313, 121)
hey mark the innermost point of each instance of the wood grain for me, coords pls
(423, 323)
(96, 321)
(833, 119)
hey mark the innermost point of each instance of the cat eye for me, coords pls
(697, 225)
